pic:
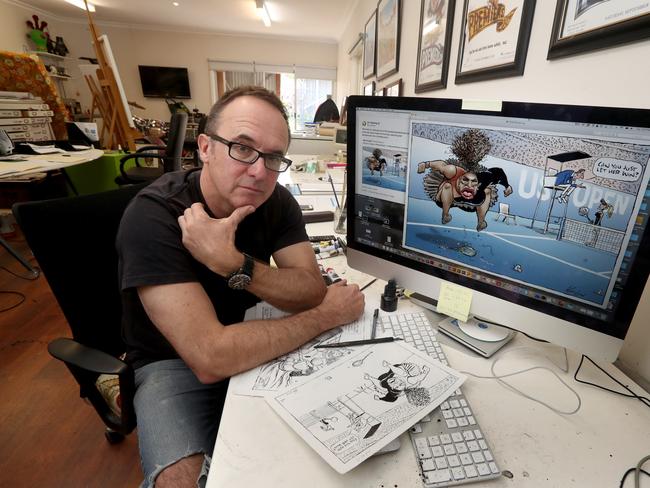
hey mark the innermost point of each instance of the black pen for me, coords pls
(362, 342)
(375, 317)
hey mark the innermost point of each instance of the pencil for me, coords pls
(367, 284)
(362, 342)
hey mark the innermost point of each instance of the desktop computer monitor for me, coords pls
(540, 209)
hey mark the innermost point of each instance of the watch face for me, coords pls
(239, 281)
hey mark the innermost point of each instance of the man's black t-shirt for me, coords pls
(151, 253)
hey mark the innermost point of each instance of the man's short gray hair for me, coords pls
(258, 92)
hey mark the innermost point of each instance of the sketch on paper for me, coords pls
(350, 410)
(292, 368)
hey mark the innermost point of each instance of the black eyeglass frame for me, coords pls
(260, 154)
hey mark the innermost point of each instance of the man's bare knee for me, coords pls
(182, 473)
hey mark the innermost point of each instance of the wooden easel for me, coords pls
(116, 131)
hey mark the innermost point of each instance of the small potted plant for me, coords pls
(37, 33)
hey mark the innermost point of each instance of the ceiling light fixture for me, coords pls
(80, 4)
(263, 12)
(175, 4)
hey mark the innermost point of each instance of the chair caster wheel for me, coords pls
(113, 437)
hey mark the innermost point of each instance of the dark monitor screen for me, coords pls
(541, 209)
(163, 82)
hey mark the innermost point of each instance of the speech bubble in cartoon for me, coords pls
(617, 169)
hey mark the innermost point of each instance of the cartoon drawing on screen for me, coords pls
(401, 380)
(384, 167)
(376, 162)
(463, 183)
(567, 180)
(571, 204)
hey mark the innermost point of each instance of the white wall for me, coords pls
(619, 76)
(132, 47)
(613, 77)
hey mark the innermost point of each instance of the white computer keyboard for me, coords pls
(448, 443)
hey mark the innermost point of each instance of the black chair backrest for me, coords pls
(73, 240)
(175, 139)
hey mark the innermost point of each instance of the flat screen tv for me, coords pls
(164, 82)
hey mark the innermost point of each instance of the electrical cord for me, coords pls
(499, 378)
(642, 399)
(637, 472)
(22, 299)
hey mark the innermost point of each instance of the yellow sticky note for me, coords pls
(454, 301)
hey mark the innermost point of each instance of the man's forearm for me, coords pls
(248, 344)
(289, 289)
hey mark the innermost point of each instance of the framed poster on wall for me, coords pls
(369, 89)
(586, 25)
(494, 39)
(434, 44)
(388, 35)
(369, 38)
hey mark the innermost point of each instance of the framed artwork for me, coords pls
(369, 43)
(369, 89)
(394, 89)
(434, 44)
(388, 35)
(587, 25)
(494, 40)
(379, 92)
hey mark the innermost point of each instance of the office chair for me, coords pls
(73, 240)
(171, 158)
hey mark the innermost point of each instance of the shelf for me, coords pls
(45, 54)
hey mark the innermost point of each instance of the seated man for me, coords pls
(194, 249)
(567, 182)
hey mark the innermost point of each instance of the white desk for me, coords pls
(42, 163)
(592, 448)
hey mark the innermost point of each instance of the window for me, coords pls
(301, 88)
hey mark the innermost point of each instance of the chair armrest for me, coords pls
(135, 156)
(86, 364)
(86, 358)
(149, 148)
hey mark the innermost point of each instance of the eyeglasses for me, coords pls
(246, 154)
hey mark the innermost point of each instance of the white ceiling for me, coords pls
(318, 20)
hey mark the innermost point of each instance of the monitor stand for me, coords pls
(482, 337)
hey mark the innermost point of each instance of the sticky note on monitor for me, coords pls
(454, 301)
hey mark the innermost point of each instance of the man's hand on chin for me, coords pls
(212, 241)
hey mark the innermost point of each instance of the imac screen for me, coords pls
(541, 208)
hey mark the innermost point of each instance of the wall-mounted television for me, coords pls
(164, 82)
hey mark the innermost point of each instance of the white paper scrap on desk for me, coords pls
(296, 366)
(44, 149)
(349, 411)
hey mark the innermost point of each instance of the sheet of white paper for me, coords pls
(292, 368)
(349, 411)
(44, 149)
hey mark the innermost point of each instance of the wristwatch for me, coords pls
(240, 279)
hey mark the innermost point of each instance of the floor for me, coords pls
(48, 435)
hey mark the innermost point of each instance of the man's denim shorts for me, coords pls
(178, 416)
